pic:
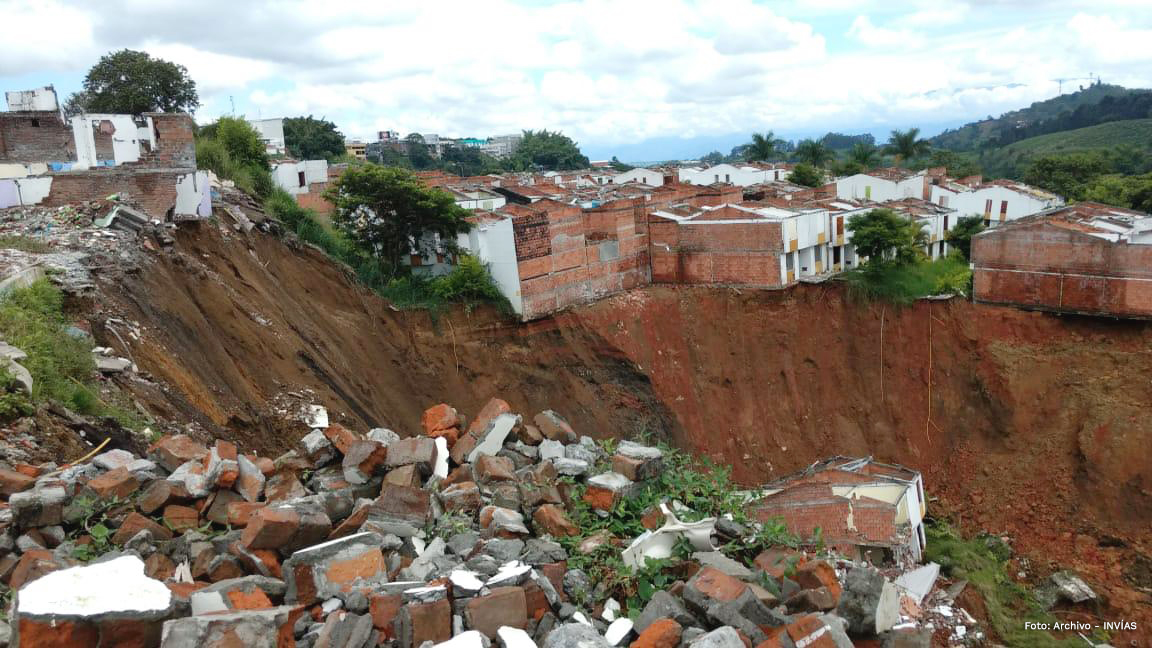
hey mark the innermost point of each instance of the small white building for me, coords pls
(477, 198)
(39, 99)
(295, 177)
(271, 133)
(881, 185)
(742, 176)
(997, 202)
(641, 175)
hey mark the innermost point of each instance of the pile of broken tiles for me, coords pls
(368, 539)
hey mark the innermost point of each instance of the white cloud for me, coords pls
(605, 72)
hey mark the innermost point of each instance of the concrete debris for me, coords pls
(368, 539)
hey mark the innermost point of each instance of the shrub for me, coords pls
(903, 284)
(468, 281)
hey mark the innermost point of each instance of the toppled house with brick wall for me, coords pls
(306, 180)
(548, 255)
(1088, 258)
(149, 159)
(746, 244)
(863, 508)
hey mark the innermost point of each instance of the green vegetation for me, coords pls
(904, 284)
(545, 150)
(309, 138)
(469, 283)
(132, 82)
(32, 319)
(982, 561)
(388, 212)
(705, 488)
(232, 149)
(24, 244)
(91, 514)
(813, 153)
(886, 237)
(1125, 146)
(906, 145)
(960, 236)
(807, 175)
(764, 148)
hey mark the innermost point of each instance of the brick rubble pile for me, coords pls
(368, 539)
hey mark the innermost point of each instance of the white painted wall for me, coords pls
(739, 176)
(495, 245)
(193, 195)
(488, 200)
(1019, 204)
(125, 140)
(642, 175)
(272, 132)
(287, 175)
(38, 99)
(15, 192)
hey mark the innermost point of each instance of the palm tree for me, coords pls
(762, 148)
(814, 153)
(907, 145)
(866, 154)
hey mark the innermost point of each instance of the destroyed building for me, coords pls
(863, 508)
(49, 160)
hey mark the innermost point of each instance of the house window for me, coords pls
(300, 178)
(717, 177)
(417, 260)
(727, 177)
(1003, 210)
(836, 255)
(945, 222)
(868, 192)
(35, 123)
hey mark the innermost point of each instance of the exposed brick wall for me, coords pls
(735, 254)
(37, 136)
(532, 236)
(806, 508)
(314, 199)
(154, 191)
(1046, 267)
(175, 141)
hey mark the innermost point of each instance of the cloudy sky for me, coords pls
(644, 79)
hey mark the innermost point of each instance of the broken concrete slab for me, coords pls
(335, 567)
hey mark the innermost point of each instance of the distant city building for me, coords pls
(271, 133)
(356, 149)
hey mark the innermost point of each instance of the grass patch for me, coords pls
(704, 487)
(32, 319)
(469, 283)
(904, 284)
(24, 244)
(982, 561)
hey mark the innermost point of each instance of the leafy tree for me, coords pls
(309, 138)
(617, 165)
(1133, 192)
(960, 236)
(132, 82)
(763, 147)
(907, 145)
(388, 212)
(1067, 174)
(812, 152)
(807, 175)
(958, 165)
(886, 237)
(865, 154)
(841, 142)
(417, 150)
(468, 161)
(239, 139)
(713, 158)
(545, 150)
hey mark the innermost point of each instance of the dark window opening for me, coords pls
(300, 178)
(35, 123)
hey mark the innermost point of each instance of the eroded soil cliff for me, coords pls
(1024, 423)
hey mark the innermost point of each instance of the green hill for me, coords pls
(1132, 137)
(1095, 104)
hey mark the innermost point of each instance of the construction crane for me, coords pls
(1090, 77)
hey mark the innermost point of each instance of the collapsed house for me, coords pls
(1088, 259)
(50, 160)
(864, 509)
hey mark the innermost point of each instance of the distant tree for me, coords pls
(1132, 192)
(807, 175)
(960, 236)
(841, 142)
(906, 145)
(1067, 174)
(713, 158)
(865, 154)
(545, 150)
(309, 138)
(886, 237)
(617, 165)
(387, 212)
(958, 165)
(812, 152)
(840, 168)
(417, 149)
(763, 147)
(468, 161)
(132, 82)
